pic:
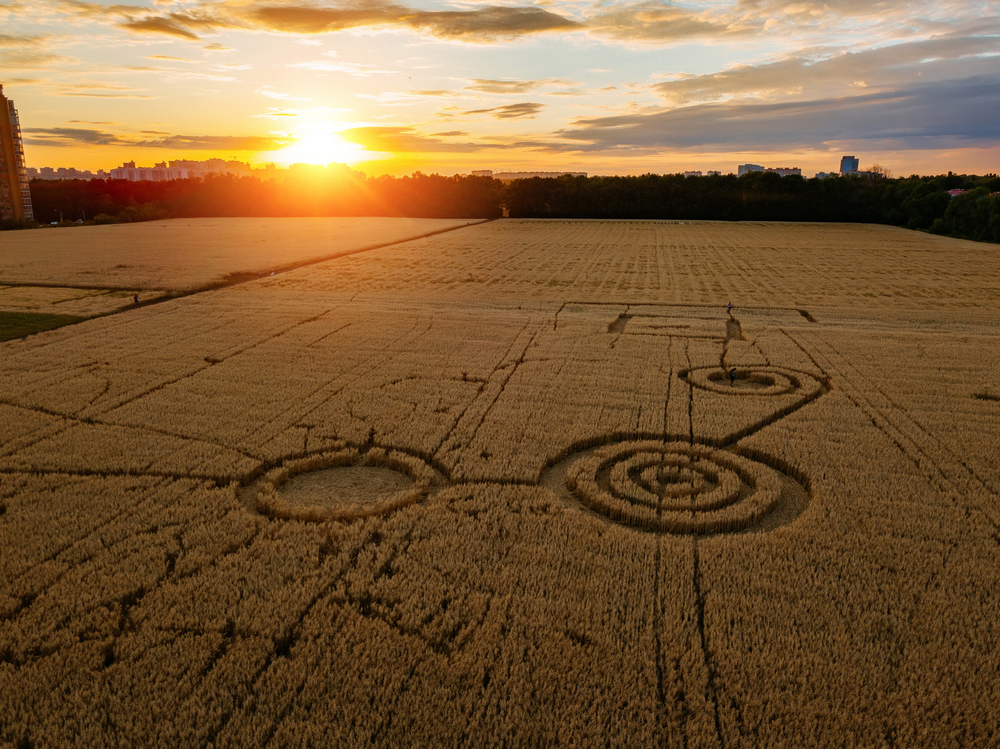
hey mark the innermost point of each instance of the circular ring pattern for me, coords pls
(674, 487)
(404, 480)
(758, 381)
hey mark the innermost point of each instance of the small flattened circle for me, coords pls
(342, 485)
(764, 381)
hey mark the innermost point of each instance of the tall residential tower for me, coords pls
(15, 197)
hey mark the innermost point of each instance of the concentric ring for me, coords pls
(674, 487)
(757, 381)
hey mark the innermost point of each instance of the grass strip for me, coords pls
(19, 324)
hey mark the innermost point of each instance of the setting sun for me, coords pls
(320, 147)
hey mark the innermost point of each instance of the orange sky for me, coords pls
(605, 88)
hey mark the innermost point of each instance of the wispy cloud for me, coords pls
(487, 23)
(822, 73)
(28, 51)
(158, 25)
(270, 94)
(404, 140)
(524, 110)
(357, 70)
(943, 114)
(664, 21)
(508, 86)
(482, 24)
(76, 137)
(168, 57)
(71, 136)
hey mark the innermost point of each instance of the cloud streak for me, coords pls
(400, 140)
(945, 114)
(483, 24)
(67, 137)
(826, 74)
(486, 23)
(524, 110)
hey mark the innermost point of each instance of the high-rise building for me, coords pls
(15, 197)
(849, 165)
(747, 168)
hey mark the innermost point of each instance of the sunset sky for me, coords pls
(608, 87)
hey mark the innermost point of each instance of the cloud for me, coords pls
(283, 97)
(487, 23)
(168, 57)
(505, 86)
(97, 90)
(159, 25)
(829, 73)
(402, 140)
(10, 41)
(663, 21)
(215, 143)
(28, 51)
(525, 110)
(943, 114)
(75, 137)
(70, 136)
(358, 70)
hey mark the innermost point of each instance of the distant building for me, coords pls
(714, 174)
(15, 195)
(48, 173)
(692, 174)
(781, 171)
(955, 193)
(482, 173)
(824, 175)
(163, 172)
(849, 165)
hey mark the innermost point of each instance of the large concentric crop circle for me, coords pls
(674, 487)
(759, 381)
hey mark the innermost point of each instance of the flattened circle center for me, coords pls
(333, 487)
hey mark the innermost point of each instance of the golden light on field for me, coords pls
(524, 482)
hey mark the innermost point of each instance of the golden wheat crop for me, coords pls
(521, 484)
(181, 254)
(68, 301)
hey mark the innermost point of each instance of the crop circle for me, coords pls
(758, 381)
(674, 487)
(343, 485)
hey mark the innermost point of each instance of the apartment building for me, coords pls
(15, 197)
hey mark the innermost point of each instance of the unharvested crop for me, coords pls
(181, 254)
(587, 533)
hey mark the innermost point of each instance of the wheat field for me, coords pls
(183, 254)
(521, 484)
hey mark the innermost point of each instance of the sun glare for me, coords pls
(321, 148)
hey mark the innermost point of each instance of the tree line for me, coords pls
(913, 202)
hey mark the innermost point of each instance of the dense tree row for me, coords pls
(913, 202)
(306, 193)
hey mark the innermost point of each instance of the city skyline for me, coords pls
(609, 88)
